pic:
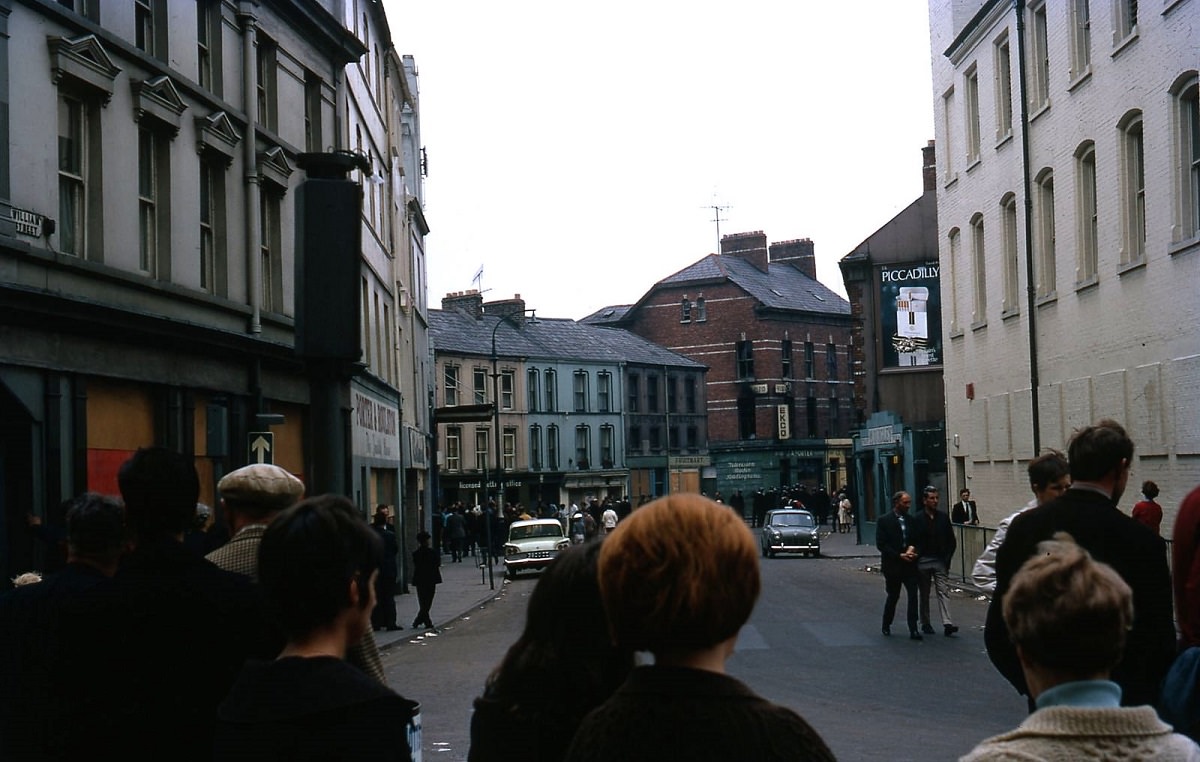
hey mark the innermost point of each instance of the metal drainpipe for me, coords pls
(250, 105)
(1031, 287)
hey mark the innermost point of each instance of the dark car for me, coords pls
(790, 531)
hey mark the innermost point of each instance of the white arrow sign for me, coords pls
(261, 445)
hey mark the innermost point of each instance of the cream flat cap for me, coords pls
(261, 484)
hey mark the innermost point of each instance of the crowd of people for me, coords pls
(263, 647)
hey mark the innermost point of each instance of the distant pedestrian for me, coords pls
(456, 533)
(964, 511)
(935, 542)
(608, 520)
(427, 575)
(383, 617)
(844, 513)
(1147, 511)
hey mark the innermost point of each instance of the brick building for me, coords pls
(893, 282)
(1069, 231)
(776, 342)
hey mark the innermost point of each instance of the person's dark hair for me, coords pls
(307, 558)
(897, 497)
(160, 489)
(1096, 451)
(930, 489)
(1047, 468)
(564, 662)
(1149, 489)
(95, 526)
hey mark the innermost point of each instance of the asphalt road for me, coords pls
(813, 644)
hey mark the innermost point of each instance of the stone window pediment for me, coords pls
(83, 61)
(216, 133)
(273, 167)
(158, 99)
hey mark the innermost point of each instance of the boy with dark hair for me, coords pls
(317, 568)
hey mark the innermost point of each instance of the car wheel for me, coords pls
(770, 553)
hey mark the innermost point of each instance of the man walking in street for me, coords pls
(898, 561)
(1100, 457)
(427, 574)
(935, 547)
(253, 497)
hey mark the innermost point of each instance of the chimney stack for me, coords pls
(929, 167)
(470, 302)
(501, 308)
(751, 247)
(798, 253)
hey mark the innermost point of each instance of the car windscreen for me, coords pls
(536, 530)
(792, 520)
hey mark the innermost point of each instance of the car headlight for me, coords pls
(511, 550)
(775, 534)
(562, 545)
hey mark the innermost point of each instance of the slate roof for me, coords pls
(455, 332)
(782, 287)
(610, 314)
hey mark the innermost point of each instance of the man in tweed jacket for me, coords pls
(253, 496)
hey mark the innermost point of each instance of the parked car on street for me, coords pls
(790, 531)
(533, 544)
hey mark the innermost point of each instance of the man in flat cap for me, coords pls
(253, 497)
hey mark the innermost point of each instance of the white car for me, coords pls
(533, 545)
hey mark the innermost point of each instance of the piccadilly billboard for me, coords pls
(910, 315)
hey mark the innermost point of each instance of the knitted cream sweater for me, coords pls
(1075, 733)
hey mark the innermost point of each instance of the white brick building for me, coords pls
(1111, 181)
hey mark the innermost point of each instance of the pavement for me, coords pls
(465, 588)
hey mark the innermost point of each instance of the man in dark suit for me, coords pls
(964, 511)
(1099, 458)
(898, 560)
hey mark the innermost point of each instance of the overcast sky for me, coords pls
(576, 150)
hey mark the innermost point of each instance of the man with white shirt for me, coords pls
(1049, 477)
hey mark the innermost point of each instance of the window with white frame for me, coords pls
(581, 391)
(535, 447)
(508, 441)
(271, 248)
(701, 310)
(1081, 38)
(89, 9)
(149, 187)
(508, 382)
(1003, 77)
(479, 385)
(1047, 261)
(1008, 218)
(450, 385)
(583, 447)
(212, 224)
(1087, 223)
(978, 271)
(947, 151)
(552, 447)
(551, 390)
(785, 358)
(74, 116)
(1187, 97)
(1133, 189)
(634, 393)
(265, 82)
(685, 310)
(1040, 59)
(607, 437)
(971, 104)
(745, 359)
(481, 448)
(1126, 20)
(453, 448)
(604, 392)
(533, 388)
(954, 244)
